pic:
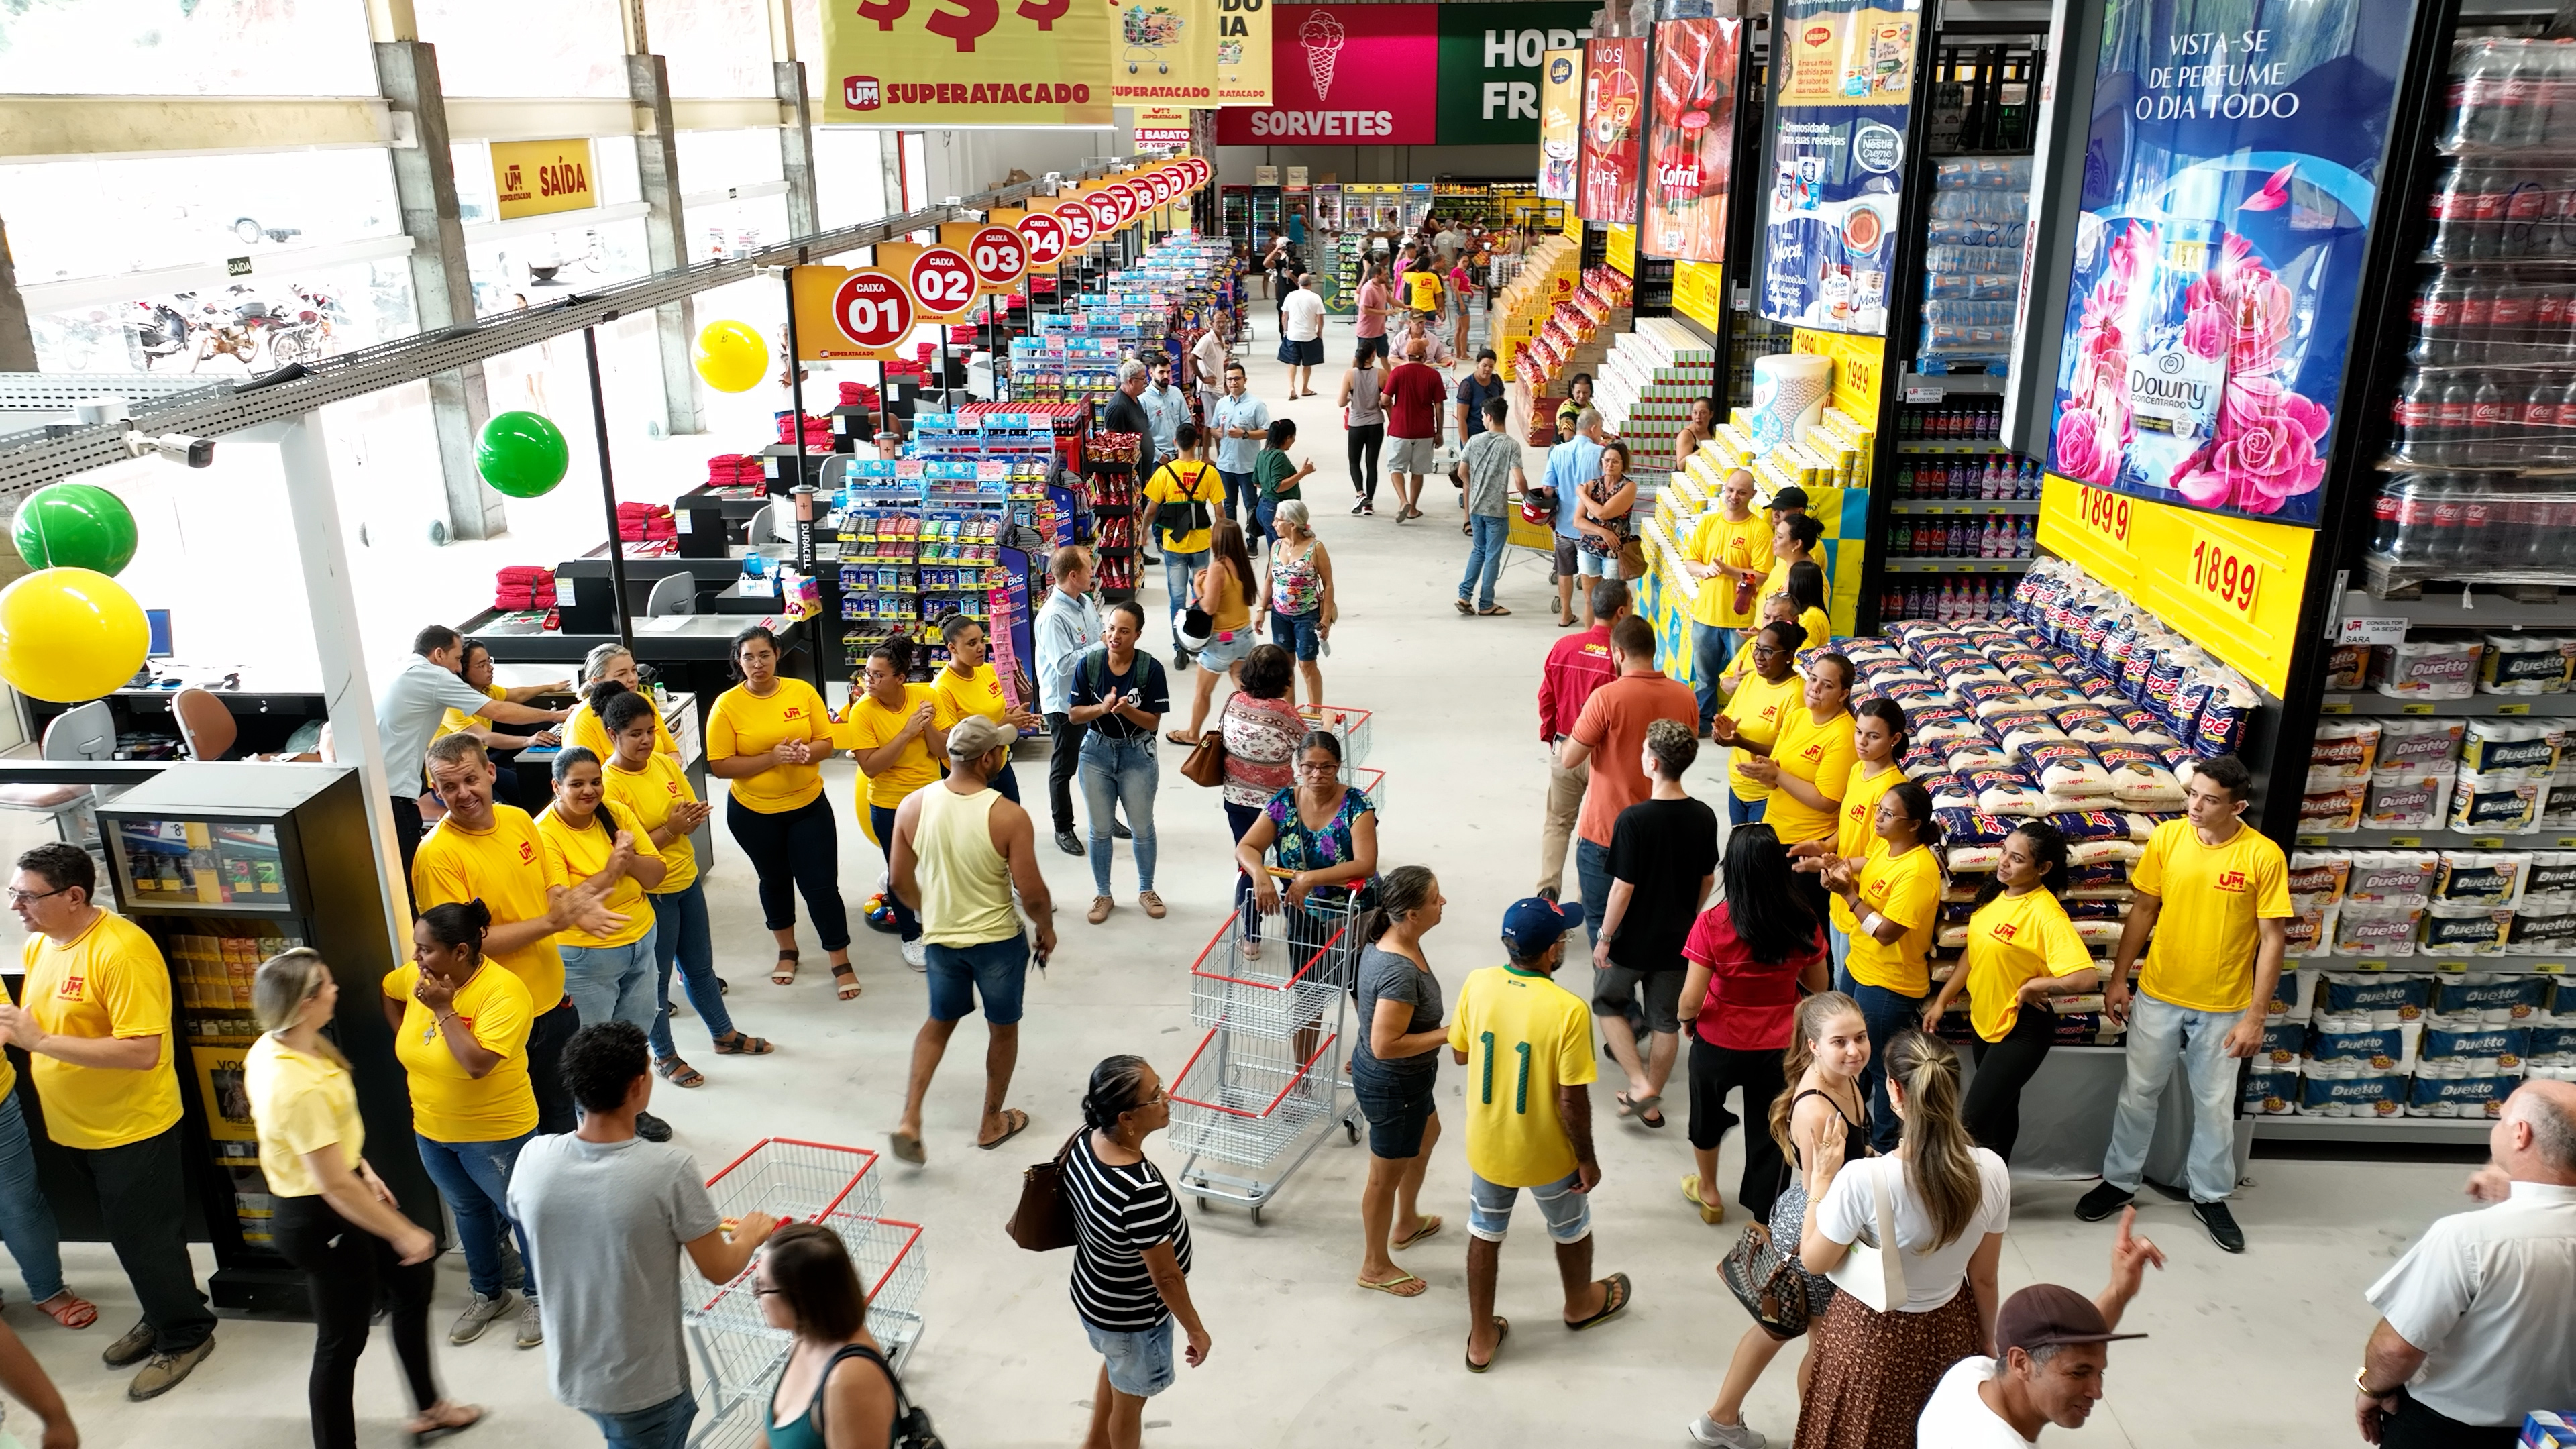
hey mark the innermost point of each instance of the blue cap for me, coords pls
(1532, 924)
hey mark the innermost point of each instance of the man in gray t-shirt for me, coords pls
(1493, 462)
(607, 1215)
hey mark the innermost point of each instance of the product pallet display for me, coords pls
(1546, 277)
(1973, 263)
(1574, 337)
(1645, 387)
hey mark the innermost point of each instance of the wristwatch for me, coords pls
(2361, 1381)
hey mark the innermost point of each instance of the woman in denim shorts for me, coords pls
(1297, 590)
(1395, 1064)
(1131, 1256)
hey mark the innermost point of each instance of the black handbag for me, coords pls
(1771, 1285)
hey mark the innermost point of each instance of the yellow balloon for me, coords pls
(731, 356)
(69, 635)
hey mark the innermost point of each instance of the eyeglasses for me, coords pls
(20, 898)
(1768, 651)
(757, 1291)
(1317, 767)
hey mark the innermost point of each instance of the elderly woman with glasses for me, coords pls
(1322, 836)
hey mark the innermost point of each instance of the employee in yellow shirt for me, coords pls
(898, 733)
(2022, 950)
(1807, 766)
(1729, 552)
(1894, 898)
(1526, 1043)
(1805, 585)
(2215, 894)
(96, 1030)
(583, 727)
(1794, 535)
(767, 735)
(1422, 289)
(598, 846)
(461, 1032)
(492, 853)
(651, 787)
(1879, 740)
(970, 685)
(335, 1219)
(1182, 498)
(1754, 718)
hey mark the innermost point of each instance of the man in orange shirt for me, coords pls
(1610, 736)
(1576, 666)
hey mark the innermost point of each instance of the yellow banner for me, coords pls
(1860, 365)
(1243, 52)
(1699, 292)
(1621, 253)
(1162, 128)
(1573, 225)
(2230, 585)
(966, 63)
(1166, 53)
(533, 178)
(862, 313)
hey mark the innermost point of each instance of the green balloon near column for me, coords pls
(522, 454)
(75, 525)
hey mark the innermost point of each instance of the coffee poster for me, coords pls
(1614, 121)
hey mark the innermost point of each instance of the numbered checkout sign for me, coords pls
(862, 313)
(940, 279)
(1045, 239)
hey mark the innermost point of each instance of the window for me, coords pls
(180, 48)
(513, 48)
(102, 218)
(712, 47)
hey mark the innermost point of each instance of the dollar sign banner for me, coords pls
(967, 63)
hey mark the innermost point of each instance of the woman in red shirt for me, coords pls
(1749, 954)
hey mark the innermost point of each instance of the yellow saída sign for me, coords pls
(2230, 585)
(533, 178)
(966, 63)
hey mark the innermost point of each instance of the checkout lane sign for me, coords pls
(845, 313)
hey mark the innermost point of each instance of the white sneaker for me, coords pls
(1707, 1431)
(916, 955)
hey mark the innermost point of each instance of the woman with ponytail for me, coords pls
(1749, 957)
(1131, 1256)
(2022, 950)
(1870, 1373)
(1828, 1047)
(1395, 1063)
(1879, 741)
(1894, 897)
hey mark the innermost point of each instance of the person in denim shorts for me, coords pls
(1131, 1254)
(1526, 1043)
(1297, 591)
(1395, 1065)
(958, 848)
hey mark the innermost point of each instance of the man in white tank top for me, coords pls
(958, 850)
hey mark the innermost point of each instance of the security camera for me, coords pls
(177, 447)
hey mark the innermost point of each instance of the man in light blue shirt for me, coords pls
(1065, 630)
(1167, 407)
(1241, 422)
(1570, 465)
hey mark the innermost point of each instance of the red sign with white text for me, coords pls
(1345, 75)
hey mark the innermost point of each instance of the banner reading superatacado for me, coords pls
(1166, 53)
(966, 63)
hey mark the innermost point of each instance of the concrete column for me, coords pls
(666, 235)
(442, 288)
(796, 149)
(17, 344)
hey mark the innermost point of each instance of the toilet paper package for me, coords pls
(2319, 875)
(2420, 744)
(2402, 800)
(2345, 749)
(2457, 930)
(2376, 930)
(2551, 933)
(2392, 877)
(2496, 998)
(2486, 877)
(2310, 928)
(2459, 1089)
(2332, 803)
(2525, 664)
(2473, 1042)
(2497, 804)
(2498, 747)
(2271, 1091)
(2350, 1090)
(2378, 998)
(2553, 1043)
(2428, 669)
(2550, 885)
(2353, 1039)
(2284, 1042)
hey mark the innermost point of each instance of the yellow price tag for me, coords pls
(2513, 709)
(2335, 706)
(2316, 840)
(2406, 840)
(2450, 965)
(2488, 842)
(2369, 965)
(2551, 968)
(2104, 513)
(2225, 573)
(2414, 709)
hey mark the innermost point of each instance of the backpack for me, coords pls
(1184, 515)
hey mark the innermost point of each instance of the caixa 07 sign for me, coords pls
(968, 62)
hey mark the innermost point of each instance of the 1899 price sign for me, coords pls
(2105, 513)
(2224, 573)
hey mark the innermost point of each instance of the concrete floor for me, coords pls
(2243, 1349)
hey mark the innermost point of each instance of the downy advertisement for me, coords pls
(1842, 81)
(1614, 115)
(2229, 178)
(1691, 144)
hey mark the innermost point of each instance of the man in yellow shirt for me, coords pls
(96, 1030)
(491, 852)
(2215, 893)
(1182, 499)
(1527, 1045)
(1729, 552)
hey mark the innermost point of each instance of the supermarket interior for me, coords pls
(2110, 386)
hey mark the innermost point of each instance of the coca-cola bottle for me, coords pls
(2453, 403)
(2537, 422)
(2521, 111)
(2486, 188)
(2480, 526)
(2417, 414)
(2405, 511)
(2435, 312)
(2558, 111)
(2475, 78)
(2442, 549)
(2476, 316)
(2491, 421)
(2509, 321)
(2526, 200)
(2447, 207)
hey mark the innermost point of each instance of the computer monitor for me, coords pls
(158, 621)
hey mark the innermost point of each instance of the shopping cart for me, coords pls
(1371, 783)
(1351, 726)
(1265, 1085)
(736, 1346)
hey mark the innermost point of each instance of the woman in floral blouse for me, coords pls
(1262, 730)
(1323, 834)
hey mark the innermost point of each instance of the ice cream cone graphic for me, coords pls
(1322, 36)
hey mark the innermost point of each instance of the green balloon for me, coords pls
(75, 525)
(522, 454)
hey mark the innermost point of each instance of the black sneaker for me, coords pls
(1118, 831)
(2178, 1194)
(2101, 1202)
(2221, 1224)
(652, 1128)
(1068, 842)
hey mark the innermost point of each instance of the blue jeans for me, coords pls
(1123, 773)
(1240, 486)
(1838, 943)
(1486, 541)
(474, 1177)
(1712, 649)
(1139, 1363)
(26, 1219)
(1297, 634)
(1740, 811)
(1178, 570)
(680, 935)
(997, 971)
(1884, 1013)
(1264, 510)
(1592, 878)
(906, 924)
(663, 1426)
(1567, 1209)
(2161, 1034)
(614, 982)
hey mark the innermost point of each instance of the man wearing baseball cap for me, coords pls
(1792, 499)
(1527, 1045)
(2052, 1341)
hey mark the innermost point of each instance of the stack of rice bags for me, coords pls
(2201, 703)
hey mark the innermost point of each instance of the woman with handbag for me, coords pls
(1257, 736)
(1749, 955)
(1601, 513)
(1828, 1046)
(1925, 1296)
(836, 1390)
(1131, 1254)
(1224, 594)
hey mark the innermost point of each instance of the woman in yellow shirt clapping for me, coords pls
(1894, 897)
(898, 733)
(585, 838)
(768, 735)
(970, 685)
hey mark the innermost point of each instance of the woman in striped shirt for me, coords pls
(1132, 1261)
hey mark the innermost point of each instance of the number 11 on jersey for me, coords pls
(1520, 1087)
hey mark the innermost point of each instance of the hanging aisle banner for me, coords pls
(1166, 53)
(967, 63)
(1614, 117)
(1560, 122)
(1039, 232)
(1243, 52)
(1345, 74)
(940, 279)
(1162, 128)
(2228, 188)
(1492, 63)
(1692, 139)
(862, 313)
(1843, 95)
(995, 251)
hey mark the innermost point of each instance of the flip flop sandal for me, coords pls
(739, 1045)
(1645, 1105)
(1613, 1302)
(1502, 1331)
(1496, 612)
(679, 1073)
(1625, 1107)
(1014, 1122)
(1429, 1226)
(1395, 1287)
(1181, 737)
(908, 1147)
(845, 982)
(70, 1310)
(1465, 608)
(784, 973)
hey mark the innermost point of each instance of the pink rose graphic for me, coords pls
(2086, 451)
(2205, 329)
